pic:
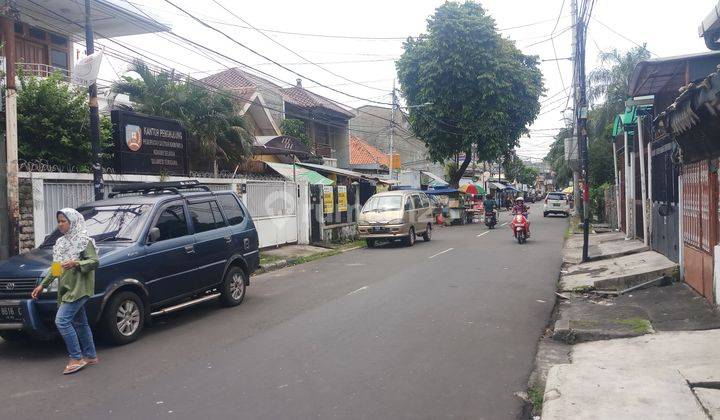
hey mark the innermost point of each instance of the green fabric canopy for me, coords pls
(301, 173)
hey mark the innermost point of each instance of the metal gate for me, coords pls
(700, 201)
(665, 214)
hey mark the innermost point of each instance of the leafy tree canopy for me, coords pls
(296, 128)
(483, 90)
(54, 123)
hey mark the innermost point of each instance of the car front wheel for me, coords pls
(124, 318)
(427, 236)
(410, 240)
(233, 288)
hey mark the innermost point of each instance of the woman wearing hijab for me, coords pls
(75, 250)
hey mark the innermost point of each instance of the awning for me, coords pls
(434, 179)
(337, 171)
(303, 174)
(496, 186)
(441, 191)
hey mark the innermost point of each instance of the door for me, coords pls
(213, 243)
(426, 216)
(244, 238)
(408, 212)
(419, 221)
(169, 261)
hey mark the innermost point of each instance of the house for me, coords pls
(366, 158)
(646, 157)
(45, 32)
(267, 104)
(372, 124)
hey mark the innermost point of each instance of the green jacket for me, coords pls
(489, 205)
(77, 282)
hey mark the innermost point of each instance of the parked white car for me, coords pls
(556, 203)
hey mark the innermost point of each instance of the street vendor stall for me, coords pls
(473, 202)
(453, 203)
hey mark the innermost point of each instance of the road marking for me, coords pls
(358, 290)
(440, 253)
(484, 233)
(505, 224)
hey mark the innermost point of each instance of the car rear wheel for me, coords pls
(410, 240)
(427, 236)
(233, 288)
(545, 214)
(370, 243)
(123, 319)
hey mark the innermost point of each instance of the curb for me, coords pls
(280, 264)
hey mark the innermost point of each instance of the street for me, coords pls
(445, 329)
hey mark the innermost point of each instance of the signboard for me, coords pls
(342, 198)
(149, 145)
(328, 199)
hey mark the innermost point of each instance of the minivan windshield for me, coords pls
(119, 223)
(556, 196)
(383, 203)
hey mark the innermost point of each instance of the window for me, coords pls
(383, 203)
(417, 202)
(59, 59)
(408, 204)
(172, 223)
(37, 33)
(206, 216)
(555, 196)
(58, 40)
(232, 209)
(425, 200)
(18, 28)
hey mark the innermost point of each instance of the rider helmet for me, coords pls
(519, 199)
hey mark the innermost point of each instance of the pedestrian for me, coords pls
(75, 252)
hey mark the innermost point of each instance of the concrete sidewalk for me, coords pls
(617, 273)
(601, 246)
(669, 375)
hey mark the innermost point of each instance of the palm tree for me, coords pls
(215, 129)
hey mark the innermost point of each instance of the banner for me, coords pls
(86, 69)
(328, 199)
(342, 198)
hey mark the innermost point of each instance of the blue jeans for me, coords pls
(72, 323)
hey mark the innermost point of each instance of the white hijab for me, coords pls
(69, 246)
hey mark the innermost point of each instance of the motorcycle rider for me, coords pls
(521, 208)
(490, 204)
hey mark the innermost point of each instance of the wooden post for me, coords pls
(11, 235)
(617, 185)
(627, 187)
(649, 186)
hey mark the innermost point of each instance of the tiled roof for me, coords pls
(303, 98)
(362, 153)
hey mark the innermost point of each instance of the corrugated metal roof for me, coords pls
(308, 175)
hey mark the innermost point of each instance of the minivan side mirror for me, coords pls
(153, 235)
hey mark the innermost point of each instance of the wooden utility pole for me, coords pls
(94, 113)
(10, 210)
(392, 131)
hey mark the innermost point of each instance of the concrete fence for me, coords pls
(281, 210)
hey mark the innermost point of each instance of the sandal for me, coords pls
(91, 360)
(73, 366)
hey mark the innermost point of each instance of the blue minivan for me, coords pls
(162, 247)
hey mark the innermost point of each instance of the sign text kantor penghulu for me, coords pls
(149, 145)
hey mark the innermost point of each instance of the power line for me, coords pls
(290, 49)
(623, 36)
(201, 22)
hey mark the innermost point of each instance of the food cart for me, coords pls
(453, 204)
(473, 203)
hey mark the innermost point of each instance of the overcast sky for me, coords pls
(364, 68)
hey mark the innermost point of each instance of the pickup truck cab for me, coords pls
(162, 247)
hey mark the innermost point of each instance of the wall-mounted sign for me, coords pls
(328, 199)
(149, 145)
(342, 198)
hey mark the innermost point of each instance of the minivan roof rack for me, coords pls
(173, 187)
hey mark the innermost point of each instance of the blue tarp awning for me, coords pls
(441, 191)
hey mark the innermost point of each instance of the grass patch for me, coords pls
(535, 394)
(313, 257)
(583, 289)
(638, 325)
(584, 323)
(349, 245)
(267, 259)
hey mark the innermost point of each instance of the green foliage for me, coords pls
(54, 123)
(515, 170)
(215, 130)
(296, 128)
(597, 201)
(556, 158)
(484, 91)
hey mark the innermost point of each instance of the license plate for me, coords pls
(518, 229)
(556, 205)
(378, 230)
(11, 313)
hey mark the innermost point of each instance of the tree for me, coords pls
(556, 158)
(53, 123)
(483, 91)
(215, 129)
(296, 128)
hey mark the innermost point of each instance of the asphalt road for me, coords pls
(445, 329)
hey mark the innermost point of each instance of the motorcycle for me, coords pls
(490, 219)
(519, 227)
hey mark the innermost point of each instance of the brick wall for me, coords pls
(27, 229)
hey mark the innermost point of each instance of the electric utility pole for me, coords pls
(392, 131)
(580, 117)
(94, 114)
